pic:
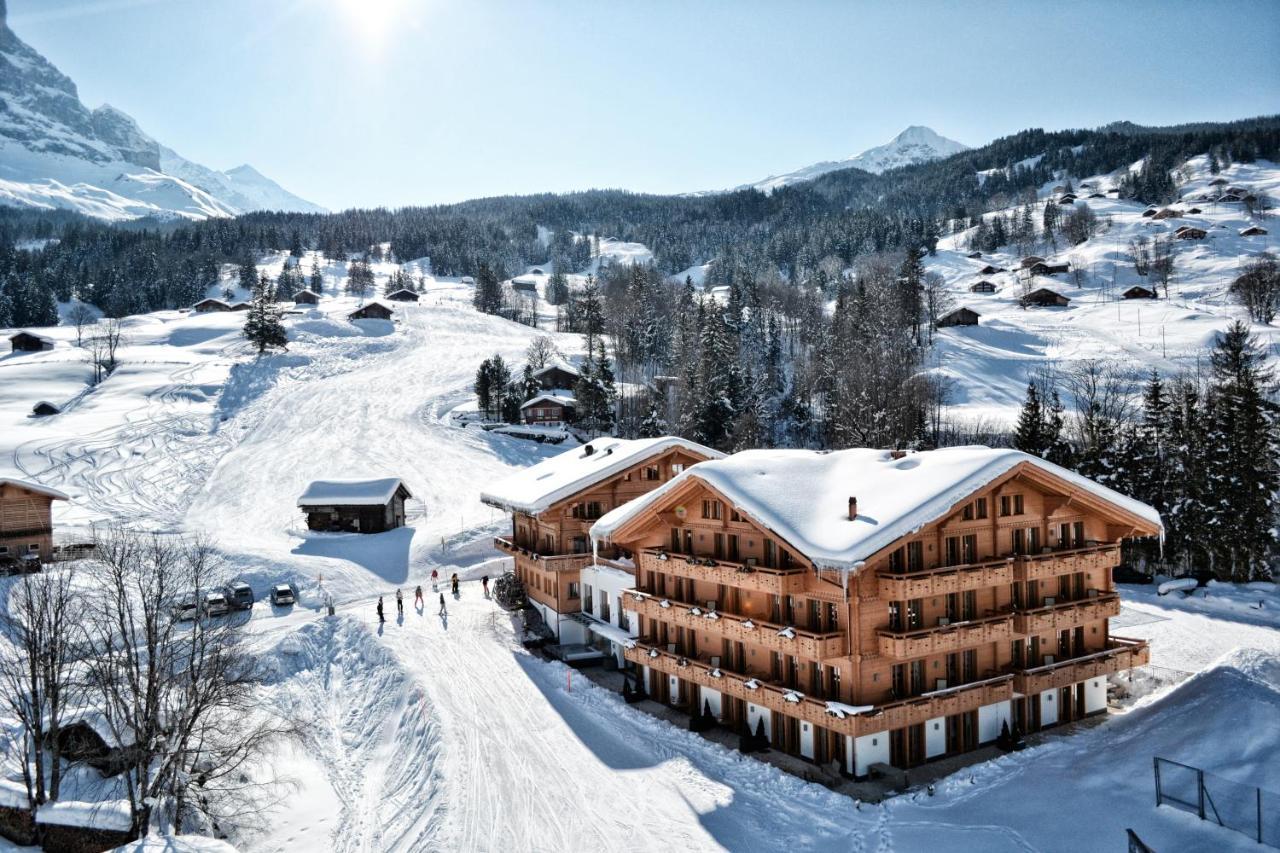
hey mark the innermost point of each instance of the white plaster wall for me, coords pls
(935, 737)
(757, 712)
(712, 698)
(868, 750)
(1095, 695)
(1049, 707)
(991, 718)
(806, 739)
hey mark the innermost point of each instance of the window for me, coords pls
(1017, 505)
(719, 546)
(732, 552)
(1019, 542)
(980, 507)
(895, 616)
(969, 549)
(1006, 505)
(4, 549)
(675, 539)
(1078, 528)
(915, 556)
(588, 600)
(770, 554)
(651, 472)
(953, 550)
(970, 658)
(677, 468)
(915, 614)
(573, 590)
(1033, 542)
(833, 621)
(967, 513)
(734, 515)
(712, 510)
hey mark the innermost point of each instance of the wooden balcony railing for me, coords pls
(1036, 567)
(26, 530)
(800, 642)
(946, 638)
(1120, 654)
(946, 579)
(546, 562)
(838, 718)
(728, 573)
(1066, 614)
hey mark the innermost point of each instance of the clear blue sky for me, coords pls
(393, 102)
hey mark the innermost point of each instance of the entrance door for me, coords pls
(806, 740)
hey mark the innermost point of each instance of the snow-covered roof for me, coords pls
(561, 399)
(351, 492)
(802, 495)
(97, 721)
(558, 365)
(34, 487)
(552, 480)
(176, 844)
(109, 814)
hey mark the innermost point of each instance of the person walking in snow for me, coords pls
(381, 618)
(484, 581)
(417, 596)
(443, 610)
(399, 601)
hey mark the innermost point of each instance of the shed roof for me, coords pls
(352, 492)
(559, 399)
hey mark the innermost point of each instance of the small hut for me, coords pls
(975, 255)
(1067, 198)
(1253, 231)
(983, 286)
(1043, 297)
(1191, 233)
(44, 408)
(306, 296)
(29, 342)
(1166, 213)
(86, 737)
(204, 306)
(242, 306)
(524, 285)
(372, 311)
(1044, 268)
(1218, 182)
(404, 294)
(990, 270)
(959, 317)
(356, 506)
(1030, 261)
(1139, 292)
(1149, 212)
(1195, 211)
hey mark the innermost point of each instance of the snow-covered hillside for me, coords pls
(916, 144)
(56, 153)
(990, 363)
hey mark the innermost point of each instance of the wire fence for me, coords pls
(1247, 809)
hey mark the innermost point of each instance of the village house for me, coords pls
(29, 342)
(403, 295)
(204, 306)
(550, 410)
(1190, 232)
(372, 311)
(982, 287)
(26, 520)
(357, 506)
(524, 285)
(990, 270)
(556, 376)
(959, 317)
(306, 296)
(1166, 213)
(1139, 292)
(873, 608)
(1043, 297)
(553, 505)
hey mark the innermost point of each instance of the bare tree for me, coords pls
(541, 352)
(105, 339)
(1258, 288)
(1140, 254)
(937, 299)
(81, 316)
(1161, 265)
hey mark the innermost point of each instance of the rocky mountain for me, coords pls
(916, 144)
(57, 153)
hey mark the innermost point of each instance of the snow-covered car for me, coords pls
(239, 595)
(282, 595)
(215, 604)
(185, 609)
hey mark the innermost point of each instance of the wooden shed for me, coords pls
(86, 737)
(1191, 233)
(959, 317)
(1253, 231)
(1149, 212)
(983, 286)
(1030, 261)
(524, 285)
(1044, 268)
(28, 342)
(990, 270)
(404, 294)
(306, 296)
(372, 311)
(204, 306)
(26, 519)
(242, 306)
(355, 506)
(1166, 213)
(1043, 297)
(1139, 292)
(974, 255)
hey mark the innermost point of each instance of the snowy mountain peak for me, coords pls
(916, 144)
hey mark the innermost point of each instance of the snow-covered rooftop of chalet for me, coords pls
(350, 492)
(552, 480)
(803, 495)
(34, 487)
(556, 365)
(562, 399)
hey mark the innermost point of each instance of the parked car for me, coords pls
(185, 609)
(215, 604)
(239, 595)
(282, 595)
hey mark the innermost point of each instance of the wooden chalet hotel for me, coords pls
(862, 606)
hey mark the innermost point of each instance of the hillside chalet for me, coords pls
(372, 311)
(553, 505)
(1253, 231)
(1139, 292)
(356, 506)
(306, 296)
(205, 306)
(404, 294)
(1043, 297)
(555, 376)
(28, 342)
(959, 591)
(550, 410)
(959, 317)
(1030, 261)
(26, 520)
(982, 287)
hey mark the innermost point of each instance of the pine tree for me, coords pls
(262, 326)
(1029, 435)
(317, 280)
(531, 387)
(488, 292)
(654, 424)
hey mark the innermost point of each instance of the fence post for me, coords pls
(1156, 761)
(1259, 792)
(1200, 787)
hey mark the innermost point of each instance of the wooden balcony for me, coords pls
(1120, 655)
(793, 703)
(905, 645)
(1067, 614)
(800, 642)
(1038, 567)
(545, 562)
(946, 579)
(726, 573)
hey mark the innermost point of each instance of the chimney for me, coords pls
(587, 450)
(853, 508)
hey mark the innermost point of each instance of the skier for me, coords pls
(455, 584)
(417, 596)
(399, 601)
(381, 618)
(443, 610)
(484, 581)
(435, 576)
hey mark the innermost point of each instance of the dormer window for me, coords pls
(651, 472)
(712, 510)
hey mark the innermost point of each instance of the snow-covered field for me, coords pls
(433, 733)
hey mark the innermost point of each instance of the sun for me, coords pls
(373, 20)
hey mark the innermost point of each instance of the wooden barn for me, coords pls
(549, 410)
(87, 738)
(524, 285)
(44, 408)
(959, 317)
(26, 520)
(556, 376)
(1030, 261)
(28, 342)
(1139, 292)
(975, 255)
(983, 286)
(1166, 213)
(404, 294)
(990, 270)
(372, 311)
(241, 306)
(306, 296)
(1190, 232)
(1149, 212)
(1043, 297)
(1253, 231)
(1044, 268)
(1067, 198)
(204, 306)
(355, 506)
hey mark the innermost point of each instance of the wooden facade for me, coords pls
(357, 517)
(27, 342)
(1045, 298)
(306, 296)
(204, 306)
(996, 612)
(26, 520)
(372, 311)
(959, 317)
(549, 410)
(403, 295)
